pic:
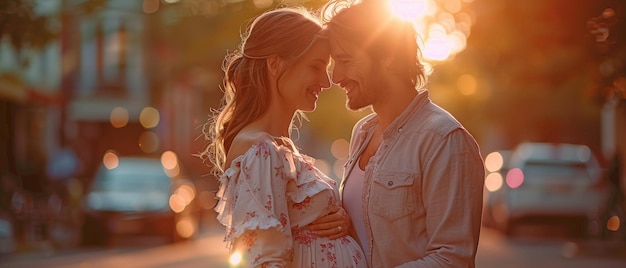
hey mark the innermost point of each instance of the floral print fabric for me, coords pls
(267, 197)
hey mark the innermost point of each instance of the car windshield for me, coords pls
(133, 181)
(555, 171)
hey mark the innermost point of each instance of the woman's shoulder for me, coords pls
(244, 141)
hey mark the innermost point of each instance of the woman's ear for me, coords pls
(274, 64)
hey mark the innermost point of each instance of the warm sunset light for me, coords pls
(412, 9)
(235, 258)
(443, 25)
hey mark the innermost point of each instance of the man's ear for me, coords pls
(274, 64)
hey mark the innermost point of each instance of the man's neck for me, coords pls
(387, 111)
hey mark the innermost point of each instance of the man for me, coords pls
(413, 182)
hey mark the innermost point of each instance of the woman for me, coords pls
(269, 191)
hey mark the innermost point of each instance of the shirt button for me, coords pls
(400, 129)
(390, 183)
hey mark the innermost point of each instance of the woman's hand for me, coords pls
(334, 225)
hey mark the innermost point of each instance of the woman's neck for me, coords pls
(275, 123)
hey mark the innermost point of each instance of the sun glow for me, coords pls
(443, 25)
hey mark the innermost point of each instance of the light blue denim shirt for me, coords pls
(422, 198)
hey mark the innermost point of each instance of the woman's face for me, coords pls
(302, 82)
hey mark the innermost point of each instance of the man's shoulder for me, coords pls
(437, 118)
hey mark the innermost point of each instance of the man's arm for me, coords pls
(452, 194)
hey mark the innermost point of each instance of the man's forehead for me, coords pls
(341, 48)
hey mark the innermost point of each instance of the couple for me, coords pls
(412, 190)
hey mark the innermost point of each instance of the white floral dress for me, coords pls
(267, 197)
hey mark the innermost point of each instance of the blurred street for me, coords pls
(85, 84)
(534, 246)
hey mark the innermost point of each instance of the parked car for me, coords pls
(549, 181)
(140, 195)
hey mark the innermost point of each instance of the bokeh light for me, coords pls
(110, 160)
(515, 178)
(177, 203)
(119, 117)
(186, 227)
(339, 148)
(173, 172)
(150, 6)
(466, 84)
(613, 223)
(494, 161)
(169, 160)
(493, 181)
(149, 142)
(149, 117)
(262, 3)
(187, 193)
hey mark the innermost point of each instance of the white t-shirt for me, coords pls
(353, 204)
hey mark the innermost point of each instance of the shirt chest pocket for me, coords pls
(392, 195)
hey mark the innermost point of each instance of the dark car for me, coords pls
(140, 196)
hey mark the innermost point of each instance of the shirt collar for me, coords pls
(396, 126)
(417, 103)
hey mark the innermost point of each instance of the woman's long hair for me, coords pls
(285, 32)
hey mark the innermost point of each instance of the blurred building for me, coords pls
(101, 85)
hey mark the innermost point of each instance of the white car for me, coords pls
(140, 196)
(548, 181)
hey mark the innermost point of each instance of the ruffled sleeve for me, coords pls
(253, 206)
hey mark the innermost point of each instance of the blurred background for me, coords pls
(87, 82)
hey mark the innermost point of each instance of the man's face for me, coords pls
(353, 71)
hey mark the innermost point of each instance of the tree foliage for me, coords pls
(536, 72)
(22, 27)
